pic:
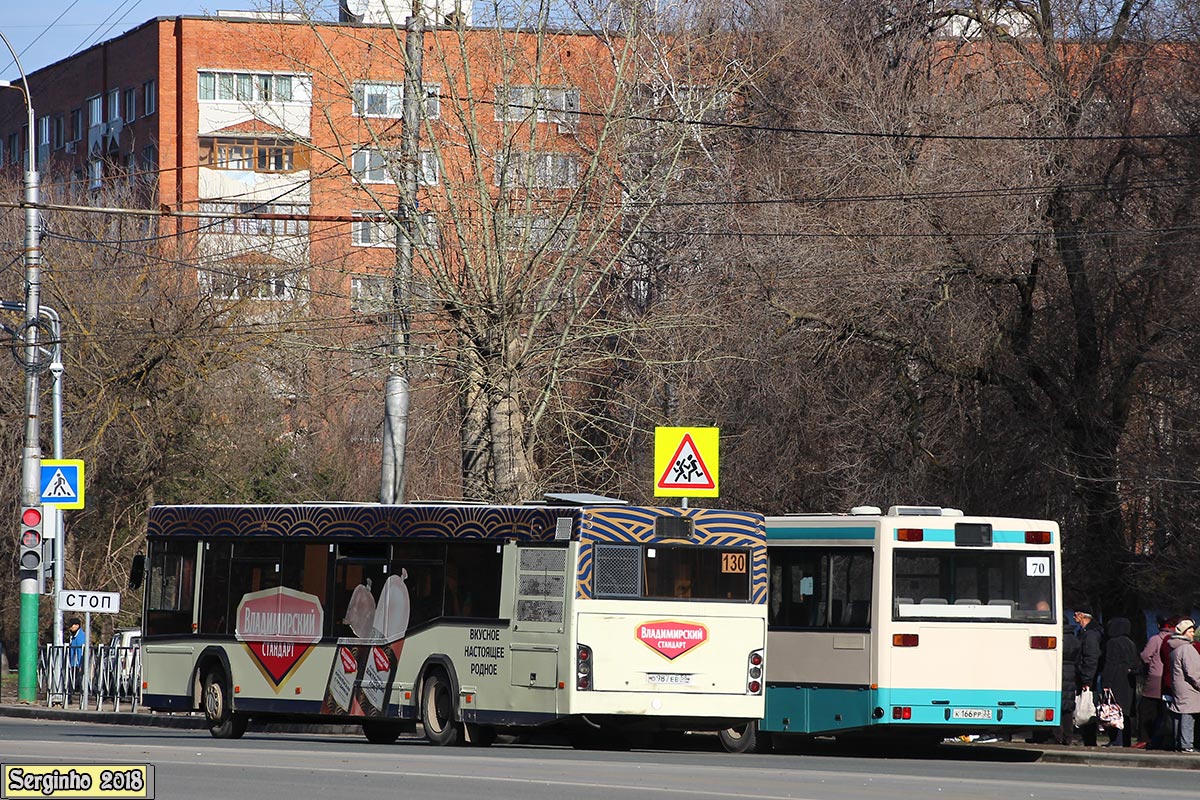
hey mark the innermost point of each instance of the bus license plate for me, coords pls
(971, 713)
(671, 678)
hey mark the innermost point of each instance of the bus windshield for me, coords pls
(1000, 585)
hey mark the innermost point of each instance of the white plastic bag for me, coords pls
(392, 611)
(1085, 708)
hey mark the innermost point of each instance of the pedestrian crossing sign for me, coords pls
(686, 461)
(62, 482)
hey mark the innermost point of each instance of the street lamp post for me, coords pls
(31, 454)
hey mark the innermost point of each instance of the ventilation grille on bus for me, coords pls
(541, 586)
(618, 570)
(543, 559)
(539, 610)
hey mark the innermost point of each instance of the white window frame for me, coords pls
(371, 166)
(555, 104)
(225, 86)
(130, 105)
(149, 97)
(390, 94)
(95, 107)
(368, 293)
(377, 229)
(43, 132)
(551, 170)
(114, 105)
(279, 283)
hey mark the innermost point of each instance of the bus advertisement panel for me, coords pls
(602, 620)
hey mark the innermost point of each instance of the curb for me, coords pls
(149, 719)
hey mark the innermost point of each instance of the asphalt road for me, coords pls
(190, 765)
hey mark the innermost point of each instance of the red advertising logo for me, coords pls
(381, 659)
(671, 638)
(349, 663)
(279, 626)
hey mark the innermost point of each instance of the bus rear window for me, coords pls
(1014, 586)
(683, 573)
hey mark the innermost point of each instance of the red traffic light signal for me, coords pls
(30, 557)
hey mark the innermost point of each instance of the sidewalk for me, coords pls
(1044, 753)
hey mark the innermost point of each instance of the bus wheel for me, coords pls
(218, 711)
(382, 732)
(479, 735)
(437, 710)
(745, 739)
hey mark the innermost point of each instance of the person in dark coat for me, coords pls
(1121, 664)
(1070, 665)
(1087, 676)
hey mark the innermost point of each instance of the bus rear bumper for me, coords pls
(681, 711)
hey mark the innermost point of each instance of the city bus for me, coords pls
(921, 622)
(581, 614)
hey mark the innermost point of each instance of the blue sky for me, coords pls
(45, 31)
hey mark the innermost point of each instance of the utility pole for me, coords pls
(31, 454)
(396, 392)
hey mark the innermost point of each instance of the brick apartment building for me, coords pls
(295, 126)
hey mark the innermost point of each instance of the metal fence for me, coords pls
(105, 674)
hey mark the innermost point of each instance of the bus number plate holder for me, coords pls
(669, 678)
(971, 713)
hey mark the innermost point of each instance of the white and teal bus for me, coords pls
(920, 622)
(580, 613)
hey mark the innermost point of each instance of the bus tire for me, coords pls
(437, 710)
(223, 723)
(745, 739)
(382, 732)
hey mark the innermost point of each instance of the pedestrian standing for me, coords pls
(1185, 685)
(1152, 714)
(1070, 668)
(1087, 675)
(1121, 665)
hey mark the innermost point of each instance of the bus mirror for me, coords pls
(137, 571)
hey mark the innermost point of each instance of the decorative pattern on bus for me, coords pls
(522, 523)
(633, 525)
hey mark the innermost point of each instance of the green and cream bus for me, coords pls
(582, 614)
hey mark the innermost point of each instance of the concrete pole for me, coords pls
(396, 393)
(31, 454)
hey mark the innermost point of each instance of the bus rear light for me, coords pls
(1043, 642)
(910, 534)
(1037, 537)
(901, 712)
(583, 667)
(905, 640)
(754, 672)
(1043, 715)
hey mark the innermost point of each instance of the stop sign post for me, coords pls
(87, 602)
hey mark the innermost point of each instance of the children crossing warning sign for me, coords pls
(686, 461)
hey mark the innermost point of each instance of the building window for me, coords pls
(376, 166)
(253, 155)
(368, 294)
(537, 170)
(59, 131)
(149, 97)
(114, 105)
(246, 87)
(149, 159)
(95, 107)
(376, 229)
(76, 124)
(246, 218)
(130, 105)
(255, 281)
(14, 155)
(43, 131)
(559, 105)
(387, 100)
(538, 232)
(95, 174)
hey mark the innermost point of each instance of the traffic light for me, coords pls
(30, 557)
